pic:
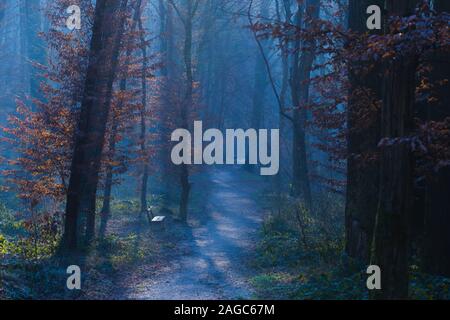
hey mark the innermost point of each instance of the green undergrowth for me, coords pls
(301, 256)
(31, 269)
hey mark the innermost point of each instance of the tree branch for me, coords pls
(178, 12)
(266, 62)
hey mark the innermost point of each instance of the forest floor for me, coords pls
(231, 248)
(209, 257)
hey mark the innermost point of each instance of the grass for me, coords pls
(29, 274)
(301, 256)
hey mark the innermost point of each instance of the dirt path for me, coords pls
(214, 255)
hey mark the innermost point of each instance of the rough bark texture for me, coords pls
(391, 242)
(362, 176)
(436, 218)
(91, 126)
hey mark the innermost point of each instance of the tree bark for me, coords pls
(105, 213)
(145, 170)
(106, 208)
(362, 175)
(191, 7)
(391, 243)
(436, 218)
(91, 126)
(32, 45)
(302, 65)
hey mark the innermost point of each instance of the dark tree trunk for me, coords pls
(105, 213)
(261, 80)
(435, 252)
(145, 170)
(301, 72)
(187, 104)
(259, 88)
(391, 244)
(362, 175)
(91, 127)
(436, 247)
(283, 91)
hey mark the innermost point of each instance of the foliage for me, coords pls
(429, 287)
(4, 246)
(301, 256)
(323, 285)
(124, 250)
(293, 234)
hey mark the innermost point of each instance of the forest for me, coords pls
(224, 149)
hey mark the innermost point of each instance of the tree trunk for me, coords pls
(91, 126)
(106, 208)
(187, 53)
(167, 73)
(436, 219)
(32, 45)
(283, 92)
(391, 244)
(436, 247)
(362, 175)
(145, 171)
(302, 65)
(259, 89)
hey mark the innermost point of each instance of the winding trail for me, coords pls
(213, 263)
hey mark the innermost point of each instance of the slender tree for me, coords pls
(143, 119)
(121, 108)
(32, 44)
(187, 19)
(109, 19)
(302, 64)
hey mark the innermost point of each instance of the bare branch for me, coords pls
(194, 10)
(178, 12)
(266, 62)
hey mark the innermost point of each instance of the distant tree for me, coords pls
(302, 64)
(186, 14)
(32, 44)
(144, 147)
